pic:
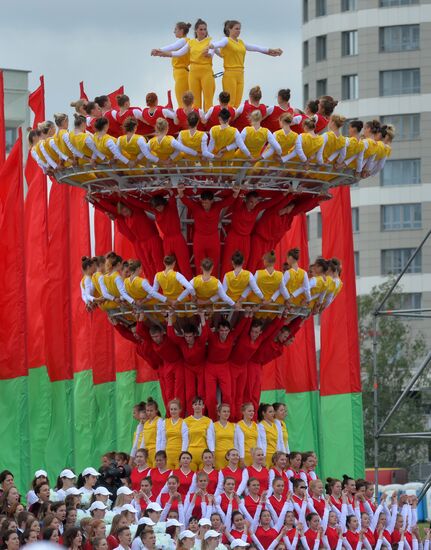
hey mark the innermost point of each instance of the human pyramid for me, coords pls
(203, 301)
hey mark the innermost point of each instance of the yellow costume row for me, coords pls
(195, 435)
(268, 285)
(223, 144)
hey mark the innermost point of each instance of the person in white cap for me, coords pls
(125, 496)
(186, 540)
(65, 481)
(238, 543)
(97, 510)
(130, 513)
(211, 541)
(86, 482)
(144, 524)
(40, 476)
(204, 526)
(173, 528)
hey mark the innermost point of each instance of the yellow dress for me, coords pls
(169, 285)
(149, 438)
(236, 284)
(233, 55)
(271, 433)
(111, 287)
(198, 428)
(174, 441)
(201, 78)
(355, 147)
(286, 142)
(316, 291)
(222, 138)
(205, 289)
(255, 141)
(180, 70)
(193, 141)
(78, 141)
(310, 146)
(268, 283)
(161, 149)
(250, 434)
(224, 440)
(296, 280)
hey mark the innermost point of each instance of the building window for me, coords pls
(304, 11)
(319, 225)
(306, 93)
(401, 216)
(305, 53)
(394, 260)
(388, 3)
(408, 300)
(348, 5)
(401, 172)
(408, 127)
(399, 38)
(350, 86)
(356, 261)
(320, 8)
(401, 81)
(355, 219)
(11, 136)
(321, 87)
(321, 48)
(349, 43)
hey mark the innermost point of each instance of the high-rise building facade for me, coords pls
(17, 113)
(375, 57)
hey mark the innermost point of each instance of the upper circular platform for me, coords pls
(106, 178)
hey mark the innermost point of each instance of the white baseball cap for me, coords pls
(204, 521)
(97, 505)
(128, 508)
(174, 523)
(102, 491)
(238, 543)
(187, 534)
(147, 521)
(67, 473)
(124, 491)
(155, 507)
(73, 491)
(211, 534)
(90, 472)
(40, 473)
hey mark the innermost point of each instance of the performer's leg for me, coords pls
(239, 88)
(179, 383)
(225, 383)
(191, 388)
(229, 85)
(177, 245)
(195, 86)
(181, 77)
(208, 88)
(254, 372)
(211, 390)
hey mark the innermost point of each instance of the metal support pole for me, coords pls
(425, 488)
(405, 392)
(375, 408)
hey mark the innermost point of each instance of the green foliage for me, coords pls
(398, 352)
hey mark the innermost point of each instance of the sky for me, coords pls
(107, 44)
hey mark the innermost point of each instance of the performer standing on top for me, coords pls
(180, 64)
(232, 50)
(201, 78)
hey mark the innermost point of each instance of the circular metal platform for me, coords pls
(107, 178)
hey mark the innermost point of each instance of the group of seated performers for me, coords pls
(190, 483)
(262, 137)
(253, 316)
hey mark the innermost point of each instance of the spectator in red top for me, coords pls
(206, 217)
(141, 470)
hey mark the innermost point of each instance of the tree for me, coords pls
(398, 352)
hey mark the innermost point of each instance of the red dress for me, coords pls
(319, 506)
(159, 479)
(224, 503)
(238, 534)
(352, 538)
(213, 119)
(261, 475)
(185, 481)
(243, 120)
(136, 477)
(277, 504)
(251, 505)
(272, 121)
(236, 474)
(266, 536)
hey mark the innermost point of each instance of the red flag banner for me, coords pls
(56, 300)
(339, 355)
(36, 240)
(36, 102)
(82, 94)
(13, 350)
(113, 97)
(2, 122)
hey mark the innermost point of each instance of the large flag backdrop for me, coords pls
(68, 380)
